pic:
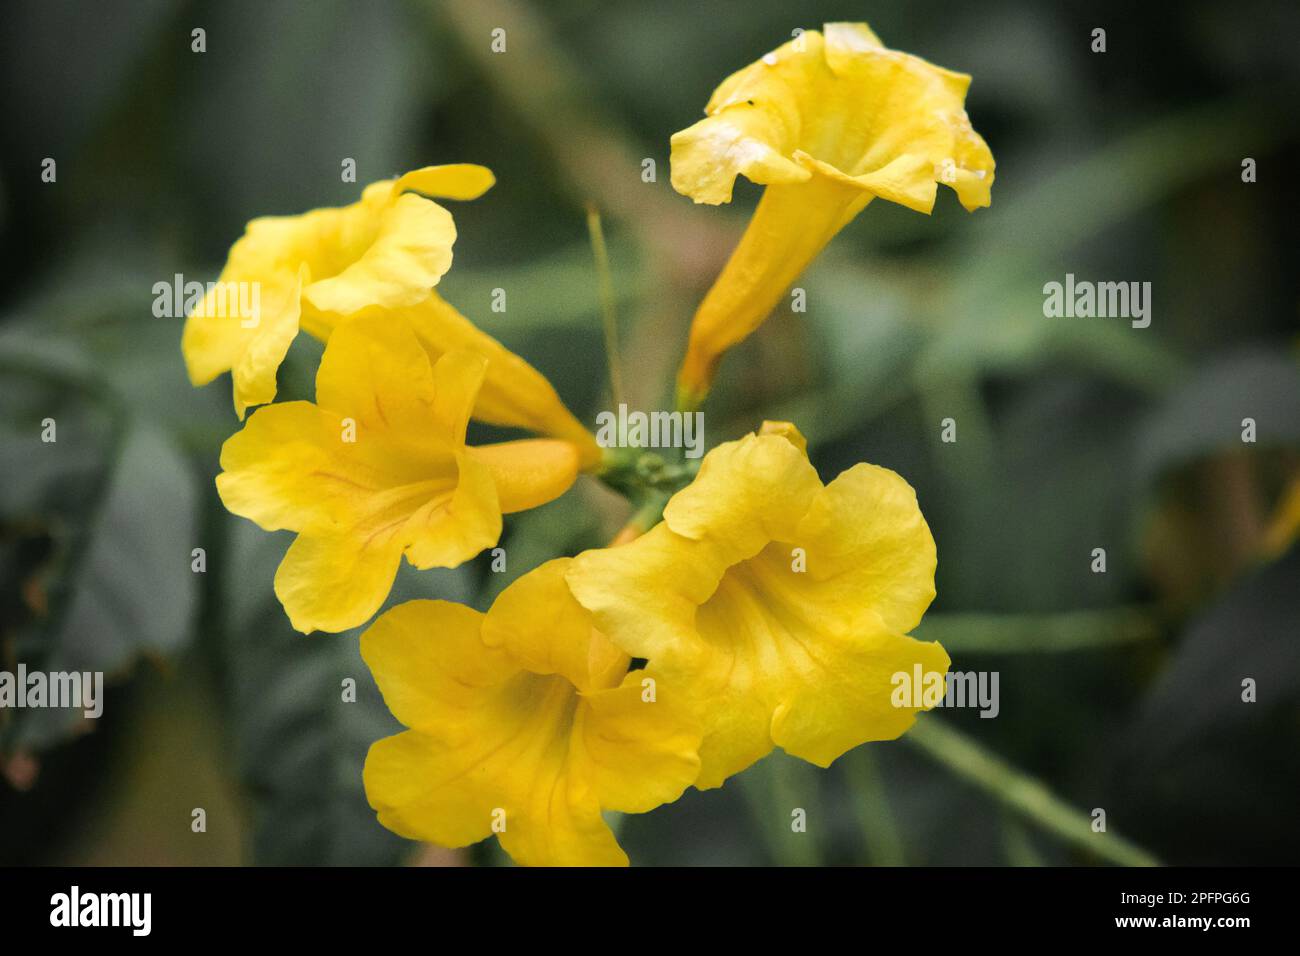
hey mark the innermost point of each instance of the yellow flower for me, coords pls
(377, 468)
(524, 722)
(310, 271)
(781, 603)
(827, 123)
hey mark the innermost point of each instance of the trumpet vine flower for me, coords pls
(827, 123)
(311, 271)
(524, 722)
(779, 603)
(377, 468)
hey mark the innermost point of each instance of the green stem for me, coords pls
(1016, 844)
(1021, 793)
(871, 804)
(774, 787)
(608, 307)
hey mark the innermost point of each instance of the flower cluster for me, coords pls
(759, 608)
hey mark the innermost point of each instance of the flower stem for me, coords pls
(774, 787)
(608, 309)
(870, 802)
(1021, 793)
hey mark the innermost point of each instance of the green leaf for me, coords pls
(299, 744)
(1204, 770)
(123, 542)
(1204, 416)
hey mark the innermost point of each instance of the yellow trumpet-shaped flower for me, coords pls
(311, 271)
(781, 602)
(524, 722)
(377, 468)
(827, 123)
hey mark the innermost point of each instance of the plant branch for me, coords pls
(608, 307)
(1021, 793)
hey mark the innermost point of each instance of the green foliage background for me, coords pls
(1119, 691)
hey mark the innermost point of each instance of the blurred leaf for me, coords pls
(137, 546)
(556, 291)
(59, 109)
(1008, 539)
(92, 321)
(866, 319)
(1037, 633)
(1029, 230)
(154, 789)
(1199, 759)
(1204, 415)
(116, 503)
(1018, 845)
(303, 85)
(1010, 336)
(300, 746)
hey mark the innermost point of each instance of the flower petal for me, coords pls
(707, 157)
(430, 664)
(385, 251)
(422, 789)
(538, 621)
(563, 826)
(530, 472)
(410, 253)
(277, 326)
(783, 659)
(332, 582)
(639, 751)
(457, 377)
(851, 702)
(375, 372)
(491, 754)
(843, 101)
(791, 225)
(643, 595)
(219, 337)
(378, 468)
(787, 430)
(867, 543)
(446, 532)
(746, 493)
(453, 181)
(773, 604)
(278, 470)
(214, 336)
